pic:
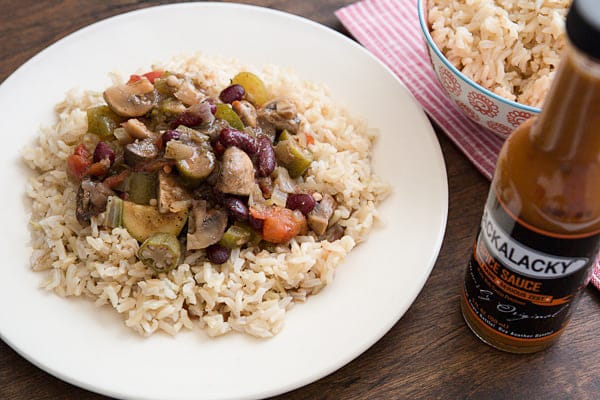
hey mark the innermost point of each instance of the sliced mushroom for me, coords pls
(266, 128)
(205, 227)
(281, 114)
(132, 99)
(140, 151)
(91, 199)
(237, 173)
(247, 112)
(137, 129)
(318, 218)
(334, 233)
(172, 196)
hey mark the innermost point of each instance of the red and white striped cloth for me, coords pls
(390, 29)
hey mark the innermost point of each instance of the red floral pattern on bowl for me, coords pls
(484, 105)
(449, 82)
(499, 127)
(516, 118)
(468, 111)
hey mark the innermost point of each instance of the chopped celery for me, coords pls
(114, 212)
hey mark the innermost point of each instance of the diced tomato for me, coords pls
(280, 224)
(151, 76)
(99, 168)
(77, 166)
(309, 138)
(81, 151)
(152, 165)
(115, 180)
(134, 78)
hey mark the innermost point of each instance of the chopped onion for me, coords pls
(202, 110)
(178, 151)
(187, 93)
(122, 136)
(279, 197)
(283, 181)
(256, 196)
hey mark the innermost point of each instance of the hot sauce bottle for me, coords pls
(540, 230)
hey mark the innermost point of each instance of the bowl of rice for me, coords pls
(495, 59)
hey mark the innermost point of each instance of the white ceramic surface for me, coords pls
(89, 346)
(486, 108)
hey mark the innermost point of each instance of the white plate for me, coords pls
(91, 347)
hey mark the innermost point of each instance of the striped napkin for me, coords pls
(390, 29)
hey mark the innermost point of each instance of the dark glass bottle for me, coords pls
(540, 230)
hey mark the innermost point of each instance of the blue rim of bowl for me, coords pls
(448, 64)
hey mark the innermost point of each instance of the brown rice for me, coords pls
(511, 47)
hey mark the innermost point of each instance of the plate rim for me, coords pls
(441, 230)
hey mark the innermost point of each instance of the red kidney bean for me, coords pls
(213, 108)
(187, 119)
(265, 157)
(217, 254)
(103, 151)
(236, 207)
(232, 93)
(232, 137)
(218, 147)
(300, 201)
(255, 223)
(169, 135)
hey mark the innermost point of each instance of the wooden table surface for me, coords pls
(429, 353)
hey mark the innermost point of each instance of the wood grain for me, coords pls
(429, 353)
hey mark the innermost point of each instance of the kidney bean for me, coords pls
(232, 93)
(265, 157)
(235, 207)
(300, 201)
(218, 147)
(103, 151)
(169, 135)
(187, 119)
(217, 254)
(255, 223)
(232, 137)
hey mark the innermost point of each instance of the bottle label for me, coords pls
(522, 282)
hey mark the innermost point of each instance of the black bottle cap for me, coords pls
(583, 26)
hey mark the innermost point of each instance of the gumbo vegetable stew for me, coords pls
(183, 171)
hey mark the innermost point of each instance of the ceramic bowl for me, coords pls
(486, 108)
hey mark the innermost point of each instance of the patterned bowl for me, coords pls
(488, 109)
